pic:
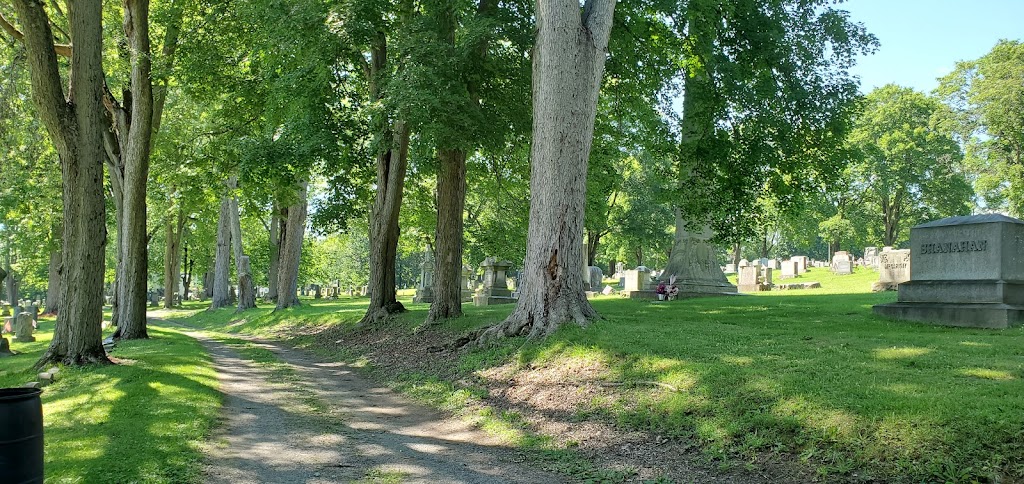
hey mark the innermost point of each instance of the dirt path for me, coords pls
(320, 422)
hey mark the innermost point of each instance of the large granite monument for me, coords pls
(425, 288)
(495, 289)
(694, 263)
(964, 271)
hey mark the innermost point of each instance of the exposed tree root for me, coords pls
(51, 358)
(381, 315)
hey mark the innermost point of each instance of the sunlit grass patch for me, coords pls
(809, 373)
(143, 422)
(988, 374)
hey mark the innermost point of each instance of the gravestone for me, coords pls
(607, 290)
(694, 264)
(495, 289)
(871, 257)
(802, 263)
(964, 271)
(744, 263)
(842, 264)
(790, 268)
(5, 348)
(637, 280)
(23, 328)
(595, 276)
(893, 270)
(730, 268)
(748, 279)
(774, 264)
(468, 284)
(619, 267)
(766, 275)
(425, 287)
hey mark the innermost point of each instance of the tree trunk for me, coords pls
(53, 282)
(391, 166)
(451, 198)
(245, 291)
(246, 296)
(76, 130)
(222, 261)
(186, 277)
(736, 254)
(172, 257)
(291, 251)
(275, 251)
(133, 126)
(208, 285)
(568, 65)
(11, 280)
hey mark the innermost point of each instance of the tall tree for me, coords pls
(568, 66)
(911, 166)
(76, 130)
(986, 101)
(292, 234)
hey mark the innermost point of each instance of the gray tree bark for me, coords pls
(75, 125)
(275, 251)
(392, 161)
(451, 200)
(172, 256)
(133, 127)
(451, 185)
(568, 65)
(222, 258)
(291, 250)
(246, 296)
(53, 282)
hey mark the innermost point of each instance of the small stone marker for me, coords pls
(893, 270)
(607, 290)
(797, 285)
(5, 348)
(23, 328)
(802, 263)
(964, 271)
(748, 279)
(790, 268)
(842, 264)
(638, 279)
(596, 276)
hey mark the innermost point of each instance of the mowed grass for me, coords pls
(143, 420)
(811, 375)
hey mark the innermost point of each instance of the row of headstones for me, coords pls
(791, 267)
(23, 321)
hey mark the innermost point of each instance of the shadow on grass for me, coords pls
(140, 421)
(813, 374)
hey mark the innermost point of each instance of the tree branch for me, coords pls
(47, 90)
(597, 19)
(63, 50)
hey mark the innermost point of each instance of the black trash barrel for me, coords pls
(21, 435)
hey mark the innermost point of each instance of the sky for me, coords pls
(922, 40)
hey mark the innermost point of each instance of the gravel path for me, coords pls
(323, 422)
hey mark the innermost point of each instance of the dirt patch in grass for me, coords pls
(556, 399)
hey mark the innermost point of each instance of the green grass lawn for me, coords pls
(811, 374)
(143, 420)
